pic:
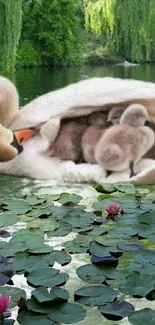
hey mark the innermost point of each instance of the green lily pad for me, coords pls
(34, 200)
(49, 224)
(68, 313)
(91, 273)
(28, 263)
(40, 213)
(127, 218)
(83, 240)
(147, 218)
(105, 188)
(118, 309)
(40, 248)
(7, 219)
(65, 313)
(94, 295)
(68, 199)
(14, 293)
(63, 230)
(144, 316)
(29, 317)
(130, 247)
(55, 295)
(143, 230)
(125, 188)
(49, 277)
(98, 250)
(122, 232)
(74, 248)
(60, 257)
(145, 256)
(11, 248)
(136, 284)
(17, 206)
(79, 219)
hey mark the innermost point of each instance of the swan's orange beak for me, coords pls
(23, 135)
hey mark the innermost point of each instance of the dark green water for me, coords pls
(34, 82)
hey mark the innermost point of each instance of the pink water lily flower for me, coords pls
(113, 209)
(4, 303)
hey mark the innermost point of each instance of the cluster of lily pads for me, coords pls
(108, 239)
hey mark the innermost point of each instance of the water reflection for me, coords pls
(34, 82)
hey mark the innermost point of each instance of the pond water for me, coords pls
(35, 82)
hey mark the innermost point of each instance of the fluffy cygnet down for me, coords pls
(67, 145)
(124, 144)
(98, 123)
(115, 114)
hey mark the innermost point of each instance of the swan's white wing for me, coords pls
(91, 92)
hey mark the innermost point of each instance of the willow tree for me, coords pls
(10, 27)
(127, 25)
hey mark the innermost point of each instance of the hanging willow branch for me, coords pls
(10, 27)
(127, 25)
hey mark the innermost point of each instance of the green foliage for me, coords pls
(10, 27)
(127, 26)
(55, 28)
(27, 55)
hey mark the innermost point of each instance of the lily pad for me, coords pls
(94, 295)
(11, 248)
(116, 310)
(4, 234)
(122, 232)
(49, 224)
(17, 206)
(29, 317)
(63, 230)
(147, 218)
(14, 293)
(68, 199)
(68, 313)
(79, 219)
(3, 279)
(40, 213)
(49, 277)
(145, 256)
(60, 257)
(99, 250)
(127, 218)
(105, 188)
(107, 260)
(72, 247)
(34, 200)
(142, 317)
(136, 284)
(7, 219)
(131, 247)
(65, 313)
(91, 273)
(28, 263)
(55, 295)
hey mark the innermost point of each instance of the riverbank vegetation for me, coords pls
(68, 32)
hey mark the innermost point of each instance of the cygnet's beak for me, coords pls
(109, 123)
(150, 124)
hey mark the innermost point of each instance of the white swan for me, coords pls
(77, 99)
